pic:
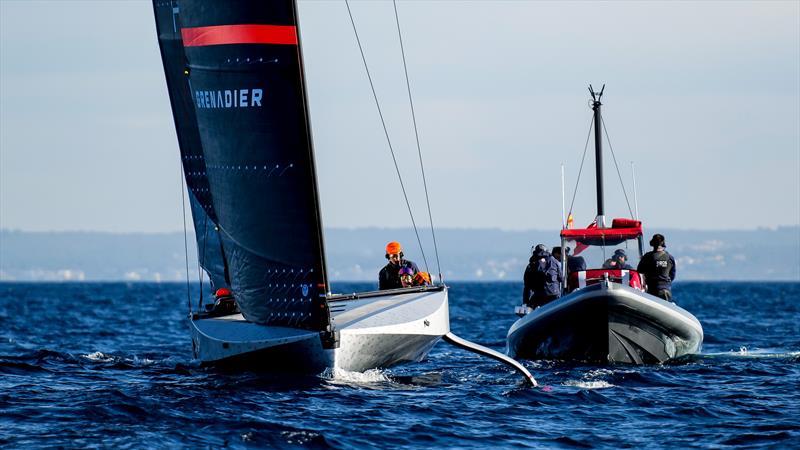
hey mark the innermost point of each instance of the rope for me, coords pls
(185, 243)
(203, 260)
(416, 135)
(583, 159)
(386, 132)
(617, 167)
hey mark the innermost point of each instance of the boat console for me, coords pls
(583, 278)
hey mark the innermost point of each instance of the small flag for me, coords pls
(570, 220)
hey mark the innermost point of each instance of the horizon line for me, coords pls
(375, 227)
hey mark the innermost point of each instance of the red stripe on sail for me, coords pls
(239, 34)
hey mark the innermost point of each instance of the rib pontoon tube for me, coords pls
(606, 322)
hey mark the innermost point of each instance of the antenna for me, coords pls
(635, 197)
(596, 96)
(563, 213)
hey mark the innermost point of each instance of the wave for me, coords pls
(132, 361)
(755, 353)
(594, 379)
(583, 384)
(46, 359)
(341, 376)
(98, 357)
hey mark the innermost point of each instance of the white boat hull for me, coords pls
(606, 323)
(374, 331)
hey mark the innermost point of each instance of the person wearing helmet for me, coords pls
(658, 268)
(542, 278)
(422, 279)
(406, 276)
(389, 276)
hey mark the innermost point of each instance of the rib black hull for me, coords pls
(606, 323)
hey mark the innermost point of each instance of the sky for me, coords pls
(702, 97)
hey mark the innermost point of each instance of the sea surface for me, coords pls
(86, 365)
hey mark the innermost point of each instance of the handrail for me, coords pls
(385, 292)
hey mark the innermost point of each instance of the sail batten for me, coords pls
(243, 73)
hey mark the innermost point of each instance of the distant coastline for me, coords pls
(357, 254)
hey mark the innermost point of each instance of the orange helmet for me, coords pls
(393, 248)
(422, 278)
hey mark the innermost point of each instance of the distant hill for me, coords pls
(357, 254)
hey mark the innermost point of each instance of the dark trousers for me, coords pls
(665, 294)
(542, 300)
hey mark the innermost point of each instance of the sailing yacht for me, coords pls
(234, 73)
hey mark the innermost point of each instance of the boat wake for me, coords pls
(592, 380)
(756, 353)
(377, 378)
(338, 376)
(583, 384)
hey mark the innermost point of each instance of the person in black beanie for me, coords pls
(658, 268)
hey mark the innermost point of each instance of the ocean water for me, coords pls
(109, 365)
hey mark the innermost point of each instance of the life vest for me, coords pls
(657, 271)
(662, 265)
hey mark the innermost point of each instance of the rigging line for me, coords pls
(185, 243)
(583, 159)
(416, 135)
(201, 264)
(386, 132)
(624, 192)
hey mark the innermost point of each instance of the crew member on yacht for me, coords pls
(410, 279)
(406, 276)
(658, 268)
(542, 278)
(422, 279)
(389, 276)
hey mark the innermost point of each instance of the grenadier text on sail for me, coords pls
(236, 98)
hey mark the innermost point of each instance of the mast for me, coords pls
(598, 153)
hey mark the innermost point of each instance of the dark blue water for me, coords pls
(109, 365)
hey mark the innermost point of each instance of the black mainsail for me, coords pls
(209, 250)
(241, 90)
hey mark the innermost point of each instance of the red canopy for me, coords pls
(621, 230)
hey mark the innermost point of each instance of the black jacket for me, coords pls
(389, 278)
(576, 263)
(658, 268)
(543, 278)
